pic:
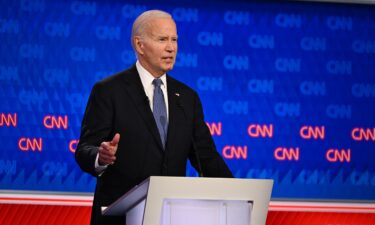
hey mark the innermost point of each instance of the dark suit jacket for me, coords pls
(119, 104)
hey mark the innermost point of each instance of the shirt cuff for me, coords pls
(98, 168)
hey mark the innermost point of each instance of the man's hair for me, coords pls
(140, 24)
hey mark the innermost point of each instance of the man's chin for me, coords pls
(168, 68)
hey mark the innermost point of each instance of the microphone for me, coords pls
(195, 149)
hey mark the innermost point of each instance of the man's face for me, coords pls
(158, 48)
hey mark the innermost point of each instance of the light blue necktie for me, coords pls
(160, 110)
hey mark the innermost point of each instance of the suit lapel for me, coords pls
(173, 96)
(138, 95)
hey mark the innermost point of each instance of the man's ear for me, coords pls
(138, 45)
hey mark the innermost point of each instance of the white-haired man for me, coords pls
(141, 122)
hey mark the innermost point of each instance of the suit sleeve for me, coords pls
(212, 163)
(96, 128)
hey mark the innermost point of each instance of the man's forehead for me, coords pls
(161, 28)
(162, 22)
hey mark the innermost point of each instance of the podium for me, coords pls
(194, 201)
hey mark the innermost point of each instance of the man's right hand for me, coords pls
(107, 151)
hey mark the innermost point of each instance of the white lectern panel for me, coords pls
(145, 202)
(205, 212)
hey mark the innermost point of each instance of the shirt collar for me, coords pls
(146, 76)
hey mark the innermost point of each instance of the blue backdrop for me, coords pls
(288, 88)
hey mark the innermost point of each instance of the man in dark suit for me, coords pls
(142, 122)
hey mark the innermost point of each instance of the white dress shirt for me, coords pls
(146, 79)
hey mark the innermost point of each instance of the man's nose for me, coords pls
(171, 46)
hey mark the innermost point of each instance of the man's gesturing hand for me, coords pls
(107, 150)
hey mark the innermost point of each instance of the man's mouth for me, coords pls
(168, 58)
